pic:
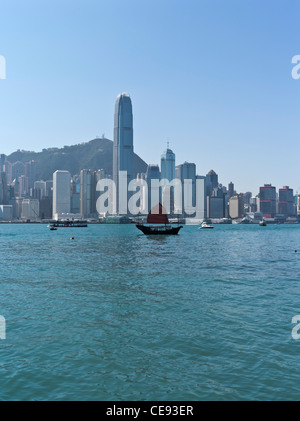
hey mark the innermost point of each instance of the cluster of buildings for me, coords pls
(23, 197)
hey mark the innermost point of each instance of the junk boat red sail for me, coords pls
(159, 218)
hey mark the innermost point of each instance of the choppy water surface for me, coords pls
(116, 315)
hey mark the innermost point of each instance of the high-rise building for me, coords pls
(297, 199)
(211, 182)
(253, 204)
(286, 201)
(88, 192)
(216, 204)
(7, 168)
(61, 193)
(23, 185)
(3, 189)
(85, 193)
(167, 169)
(29, 172)
(267, 200)
(30, 209)
(187, 171)
(49, 188)
(123, 149)
(39, 189)
(230, 189)
(96, 176)
(2, 162)
(236, 206)
(167, 165)
(152, 173)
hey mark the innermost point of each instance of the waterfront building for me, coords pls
(2, 162)
(88, 192)
(3, 189)
(297, 198)
(122, 148)
(97, 175)
(61, 193)
(231, 191)
(253, 204)
(45, 209)
(187, 171)
(211, 182)
(167, 169)
(39, 189)
(267, 200)
(167, 165)
(236, 206)
(216, 206)
(6, 212)
(85, 193)
(286, 201)
(49, 188)
(201, 202)
(16, 203)
(152, 173)
(7, 168)
(29, 172)
(216, 199)
(23, 186)
(30, 209)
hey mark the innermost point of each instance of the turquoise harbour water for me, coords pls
(117, 315)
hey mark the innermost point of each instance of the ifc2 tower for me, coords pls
(122, 150)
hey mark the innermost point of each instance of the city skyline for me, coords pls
(213, 76)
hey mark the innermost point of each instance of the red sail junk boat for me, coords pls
(159, 218)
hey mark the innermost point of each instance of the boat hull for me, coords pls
(158, 230)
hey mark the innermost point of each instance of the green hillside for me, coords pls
(93, 155)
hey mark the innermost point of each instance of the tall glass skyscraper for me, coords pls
(123, 145)
(168, 165)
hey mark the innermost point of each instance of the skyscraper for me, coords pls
(230, 189)
(286, 201)
(61, 193)
(152, 173)
(85, 193)
(267, 197)
(123, 148)
(168, 165)
(211, 182)
(29, 171)
(187, 171)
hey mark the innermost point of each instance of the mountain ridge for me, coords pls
(94, 154)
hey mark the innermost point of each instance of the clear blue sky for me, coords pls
(211, 76)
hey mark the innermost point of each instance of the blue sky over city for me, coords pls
(212, 78)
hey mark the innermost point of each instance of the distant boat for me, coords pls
(66, 223)
(205, 225)
(159, 221)
(262, 223)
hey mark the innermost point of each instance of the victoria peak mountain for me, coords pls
(93, 155)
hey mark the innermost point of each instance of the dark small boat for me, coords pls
(159, 221)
